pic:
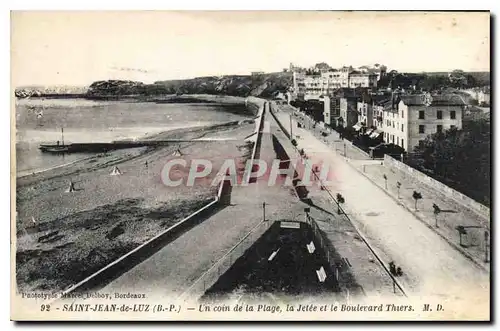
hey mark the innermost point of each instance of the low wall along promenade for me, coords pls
(457, 196)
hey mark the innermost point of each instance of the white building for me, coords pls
(411, 118)
(317, 84)
(362, 79)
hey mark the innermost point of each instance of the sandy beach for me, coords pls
(63, 237)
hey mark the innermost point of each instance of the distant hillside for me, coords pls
(258, 85)
(262, 85)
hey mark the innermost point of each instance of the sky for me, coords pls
(77, 48)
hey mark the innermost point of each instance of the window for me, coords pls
(439, 128)
(421, 129)
(402, 114)
(397, 139)
(421, 115)
(453, 114)
(440, 114)
(402, 127)
(402, 142)
(393, 124)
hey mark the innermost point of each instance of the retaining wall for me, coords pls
(212, 275)
(460, 198)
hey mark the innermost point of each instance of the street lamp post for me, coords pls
(264, 211)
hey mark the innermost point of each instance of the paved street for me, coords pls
(431, 266)
(453, 215)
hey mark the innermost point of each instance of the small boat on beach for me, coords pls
(58, 148)
(54, 148)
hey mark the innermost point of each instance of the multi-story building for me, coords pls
(411, 118)
(348, 113)
(336, 79)
(331, 110)
(362, 79)
(313, 87)
(309, 85)
(299, 86)
(378, 115)
(365, 113)
(377, 69)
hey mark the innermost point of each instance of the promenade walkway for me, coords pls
(453, 213)
(431, 266)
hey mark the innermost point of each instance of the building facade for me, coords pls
(331, 111)
(378, 115)
(483, 98)
(362, 79)
(348, 113)
(411, 118)
(313, 85)
(365, 113)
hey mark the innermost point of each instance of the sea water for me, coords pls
(97, 121)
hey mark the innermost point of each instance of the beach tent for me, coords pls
(71, 187)
(116, 171)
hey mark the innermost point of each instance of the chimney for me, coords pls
(395, 97)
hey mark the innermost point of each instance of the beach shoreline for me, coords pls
(62, 237)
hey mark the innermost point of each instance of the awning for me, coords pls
(375, 134)
(369, 131)
(356, 127)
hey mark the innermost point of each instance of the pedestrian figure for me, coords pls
(146, 163)
(399, 272)
(392, 268)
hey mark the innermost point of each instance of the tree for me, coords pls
(398, 185)
(385, 180)
(437, 211)
(450, 156)
(416, 196)
(458, 78)
(340, 200)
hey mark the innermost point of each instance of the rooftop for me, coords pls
(436, 100)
